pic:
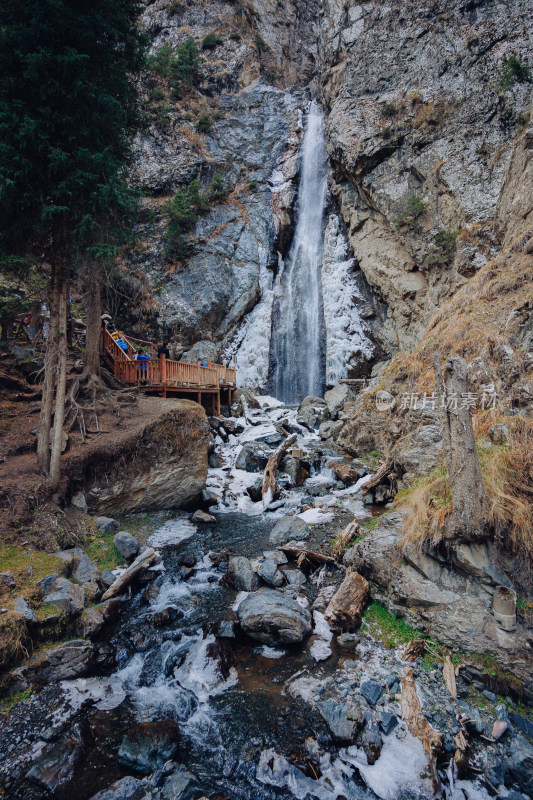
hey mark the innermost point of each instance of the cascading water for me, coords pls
(297, 366)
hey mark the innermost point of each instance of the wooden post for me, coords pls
(229, 397)
(163, 371)
(218, 402)
(214, 404)
(199, 398)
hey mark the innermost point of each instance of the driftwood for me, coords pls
(269, 475)
(417, 723)
(352, 530)
(383, 472)
(310, 555)
(448, 673)
(141, 562)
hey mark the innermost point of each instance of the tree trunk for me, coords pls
(469, 518)
(50, 368)
(269, 475)
(94, 323)
(59, 415)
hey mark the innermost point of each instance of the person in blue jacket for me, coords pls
(142, 370)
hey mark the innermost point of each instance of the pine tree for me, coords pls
(67, 110)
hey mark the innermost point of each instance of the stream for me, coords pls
(254, 720)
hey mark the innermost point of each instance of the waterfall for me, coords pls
(297, 366)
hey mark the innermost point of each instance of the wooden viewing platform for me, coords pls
(165, 375)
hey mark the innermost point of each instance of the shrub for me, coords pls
(252, 186)
(217, 187)
(412, 212)
(180, 68)
(204, 123)
(514, 71)
(388, 110)
(386, 132)
(176, 7)
(236, 37)
(197, 199)
(157, 93)
(261, 44)
(181, 218)
(211, 41)
(162, 115)
(444, 245)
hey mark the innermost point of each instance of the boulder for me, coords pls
(127, 788)
(312, 412)
(79, 566)
(273, 618)
(107, 524)
(70, 660)
(336, 398)
(346, 606)
(330, 429)
(180, 786)
(148, 746)
(371, 691)
(7, 580)
(166, 616)
(294, 577)
(255, 491)
(388, 722)
(344, 720)
(520, 764)
(202, 516)
(253, 457)
(92, 621)
(107, 578)
(24, 611)
(57, 763)
(78, 501)
(293, 468)
(345, 473)
(127, 545)
(67, 596)
(269, 572)
(288, 528)
(243, 576)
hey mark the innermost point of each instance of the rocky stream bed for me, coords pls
(227, 672)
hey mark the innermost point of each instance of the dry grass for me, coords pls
(507, 472)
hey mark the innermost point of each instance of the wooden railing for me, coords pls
(165, 373)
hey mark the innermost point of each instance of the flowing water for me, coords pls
(297, 360)
(248, 714)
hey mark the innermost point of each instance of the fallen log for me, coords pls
(448, 673)
(418, 724)
(269, 475)
(141, 562)
(311, 555)
(383, 472)
(350, 532)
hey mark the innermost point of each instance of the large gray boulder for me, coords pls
(127, 788)
(520, 764)
(272, 618)
(107, 524)
(126, 544)
(79, 566)
(57, 763)
(253, 457)
(336, 398)
(67, 596)
(288, 528)
(269, 572)
(70, 660)
(23, 610)
(148, 746)
(312, 412)
(244, 578)
(344, 720)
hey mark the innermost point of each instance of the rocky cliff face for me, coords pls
(416, 109)
(426, 150)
